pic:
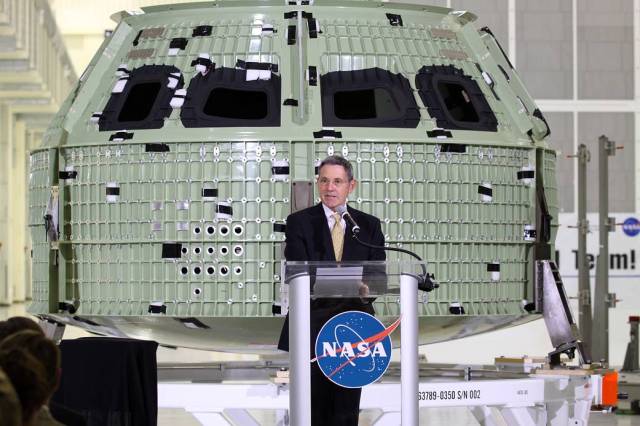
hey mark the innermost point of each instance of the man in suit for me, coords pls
(318, 233)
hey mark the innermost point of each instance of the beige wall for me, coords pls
(35, 77)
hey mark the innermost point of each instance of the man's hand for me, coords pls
(363, 290)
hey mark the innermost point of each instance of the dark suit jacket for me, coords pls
(308, 238)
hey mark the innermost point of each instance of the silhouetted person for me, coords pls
(28, 378)
(10, 409)
(15, 324)
(44, 350)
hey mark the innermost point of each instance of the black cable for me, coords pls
(425, 282)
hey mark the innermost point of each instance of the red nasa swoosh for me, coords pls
(371, 340)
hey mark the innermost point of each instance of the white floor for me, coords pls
(430, 416)
(171, 417)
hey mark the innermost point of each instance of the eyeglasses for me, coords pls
(336, 182)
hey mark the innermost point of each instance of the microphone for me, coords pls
(342, 210)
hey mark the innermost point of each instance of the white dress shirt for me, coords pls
(331, 220)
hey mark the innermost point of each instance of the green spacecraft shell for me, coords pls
(166, 178)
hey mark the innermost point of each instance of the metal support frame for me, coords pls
(563, 331)
(603, 300)
(585, 320)
(538, 399)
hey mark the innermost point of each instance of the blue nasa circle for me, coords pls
(631, 227)
(344, 357)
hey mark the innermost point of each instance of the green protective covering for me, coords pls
(125, 205)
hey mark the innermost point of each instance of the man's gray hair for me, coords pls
(337, 160)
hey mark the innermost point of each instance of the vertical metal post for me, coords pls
(299, 344)
(409, 350)
(585, 321)
(603, 299)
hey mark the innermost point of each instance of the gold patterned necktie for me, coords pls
(337, 235)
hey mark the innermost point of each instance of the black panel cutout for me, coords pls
(155, 309)
(291, 34)
(280, 170)
(209, 192)
(202, 31)
(456, 310)
(156, 147)
(493, 267)
(144, 102)
(121, 135)
(483, 190)
(139, 102)
(313, 27)
(394, 20)
(454, 99)
(64, 175)
(171, 250)
(239, 104)
(178, 43)
(526, 174)
(224, 209)
(368, 98)
(453, 147)
(325, 133)
(279, 227)
(256, 65)
(313, 76)
(223, 98)
(112, 191)
(439, 133)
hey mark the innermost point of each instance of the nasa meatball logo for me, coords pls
(353, 349)
(631, 226)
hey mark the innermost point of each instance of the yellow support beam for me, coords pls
(30, 76)
(14, 54)
(16, 243)
(35, 108)
(24, 94)
(6, 132)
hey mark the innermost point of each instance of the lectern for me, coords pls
(354, 280)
